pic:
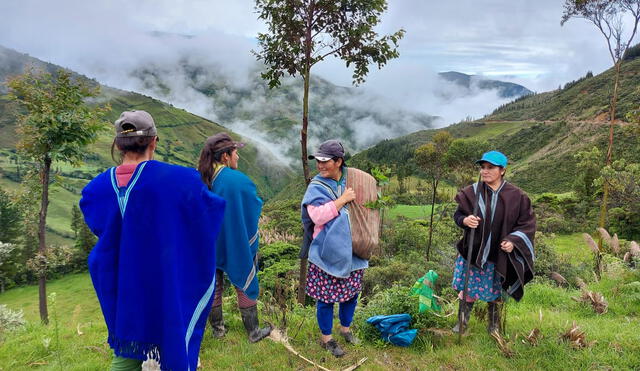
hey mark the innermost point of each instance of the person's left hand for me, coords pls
(506, 246)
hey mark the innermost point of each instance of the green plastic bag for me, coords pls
(423, 288)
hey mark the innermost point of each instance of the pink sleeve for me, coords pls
(323, 213)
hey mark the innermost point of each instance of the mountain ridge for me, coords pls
(505, 89)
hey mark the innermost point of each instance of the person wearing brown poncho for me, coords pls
(502, 254)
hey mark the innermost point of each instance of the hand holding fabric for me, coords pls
(347, 196)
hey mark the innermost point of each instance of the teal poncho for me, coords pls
(237, 246)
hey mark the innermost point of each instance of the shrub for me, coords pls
(557, 213)
(10, 320)
(547, 261)
(277, 251)
(277, 261)
(402, 270)
(405, 236)
(273, 275)
(283, 217)
(396, 300)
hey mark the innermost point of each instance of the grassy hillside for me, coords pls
(541, 154)
(181, 137)
(584, 99)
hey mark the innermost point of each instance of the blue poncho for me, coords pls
(237, 247)
(153, 267)
(331, 249)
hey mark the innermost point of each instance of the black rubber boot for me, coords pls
(493, 314)
(217, 322)
(250, 320)
(464, 312)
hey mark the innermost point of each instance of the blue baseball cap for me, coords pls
(494, 157)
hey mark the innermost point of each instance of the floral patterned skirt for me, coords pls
(330, 289)
(484, 284)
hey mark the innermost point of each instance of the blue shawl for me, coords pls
(153, 267)
(237, 246)
(331, 250)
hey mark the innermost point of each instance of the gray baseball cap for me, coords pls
(328, 150)
(135, 124)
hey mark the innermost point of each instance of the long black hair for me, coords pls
(208, 158)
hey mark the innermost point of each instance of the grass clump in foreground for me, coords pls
(76, 337)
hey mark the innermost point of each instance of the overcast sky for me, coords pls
(512, 40)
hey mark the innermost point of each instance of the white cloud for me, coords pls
(519, 41)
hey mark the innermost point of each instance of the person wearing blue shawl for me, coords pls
(237, 247)
(335, 272)
(153, 266)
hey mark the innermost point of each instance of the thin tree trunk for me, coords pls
(42, 249)
(612, 116)
(433, 205)
(605, 191)
(303, 141)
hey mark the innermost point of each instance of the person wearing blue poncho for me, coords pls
(335, 272)
(153, 267)
(237, 247)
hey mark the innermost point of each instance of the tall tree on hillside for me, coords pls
(76, 220)
(461, 157)
(609, 17)
(432, 159)
(9, 218)
(57, 126)
(302, 33)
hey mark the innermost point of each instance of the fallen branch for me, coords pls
(358, 364)
(277, 336)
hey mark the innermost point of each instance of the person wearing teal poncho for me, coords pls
(237, 245)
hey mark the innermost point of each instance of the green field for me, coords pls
(572, 246)
(415, 211)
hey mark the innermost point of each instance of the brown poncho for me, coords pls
(506, 215)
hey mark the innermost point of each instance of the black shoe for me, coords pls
(493, 314)
(349, 337)
(217, 322)
(250, 321)
(333, 347)
(464, 312)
